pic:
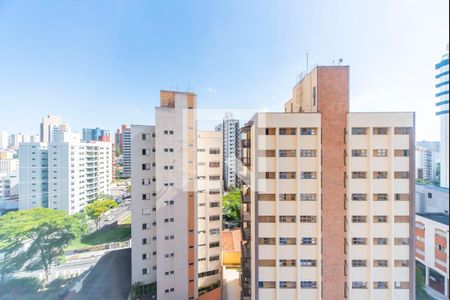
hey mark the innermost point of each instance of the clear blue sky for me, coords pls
(102, 63)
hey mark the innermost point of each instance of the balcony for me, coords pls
(246, 234)
(246, 217)
(245, 195)
(245, 251)
(246, 161)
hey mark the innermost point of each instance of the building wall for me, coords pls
(176, 147)
(126, 171)
(143, 210)
(9, 165)
(230, 128)
(431, 198)
(210, 192)
(46, 127)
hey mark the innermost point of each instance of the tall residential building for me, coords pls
(8, 166)
(230, 129)
(118, 137)
(442, 87)
(210, 192)
(46, 127)
(328, 198)
(427, 159)
(96, 134)
(64, 175)
(4, 140)
(126, 158)
(432, 253)
(164, 196)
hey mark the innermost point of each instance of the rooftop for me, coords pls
(437, 217)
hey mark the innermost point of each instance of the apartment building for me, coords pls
(47, 125)
(328, 198)
(231, 142)
(63, 175)
(427, 163)
(432, 250)
(431, 199)
(96, 134)
(126, 158)
(209, 193)
(442, 92)
(9, 165)
(169, 202)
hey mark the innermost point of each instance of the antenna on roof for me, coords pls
(340, 61)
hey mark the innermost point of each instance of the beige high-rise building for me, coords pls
(210, 191)
(164, 184)
(328, 200)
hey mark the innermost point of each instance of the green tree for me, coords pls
(36, 238)
(420, 284)
(98, 208)
(231, 203)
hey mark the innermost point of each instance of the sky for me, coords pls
(103, 63)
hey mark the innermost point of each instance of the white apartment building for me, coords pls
(426, 163)
(9, 165)
(170, 248)
(432, 250)
(47, 125)
(328, 198)
(9, 186)
(126, 159)
(230, 129)
(210, 192)
(64, 175)
(4, 140)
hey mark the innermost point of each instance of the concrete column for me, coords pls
(427, 276)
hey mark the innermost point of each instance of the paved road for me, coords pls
(110, 279)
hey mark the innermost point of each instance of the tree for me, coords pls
(231, 203)
(36, 238)
(98, 208)
(420, 284)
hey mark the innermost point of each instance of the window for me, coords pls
(144, 226)
(287, 131)
(146, 136)
(401, 197)
(401, 284)
(145, 196)
(266, 241)
(380, 197)
(214, 164)
(380, 285)
(214, 218)
(380, 130)
(359, 197)
(267, 153)
(359, 175)
(400, 263)
(359, 219)
(308, 284)
(359, 285)
(401, 153)
(286, 153)
(287, 241)
(266, 219)
(359, 131)
(214, 177)
(268, 131)
(266, 197)
(380, 241)
(308, 197)
(359, 241)
(214, 204)
(359, 263)
(401, 219)
(380, 175)
(266, 284)
(308, 241)
(308, 175)
(308, 219)
(214, 150)
(144, 241)
(287, 263)
(287, 197)
(144, 271)
(146, 166)
(380, 153)
(402, 130)
(401, 241)
(146, 211)
(359, 153)
(308, 131)
(168, 167)
(287, 219)
(287, 175)
(380, 263)
(380, 219)
(214, 192)
(401, 175)
(267, 262)
(269, 175)
(288, 285)
(146, 181)
(214, 258)
(214, 231)
(308, 262)
(308, 153)
(146, 151)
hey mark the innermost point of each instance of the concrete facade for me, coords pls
(328, 201)
(231, 142)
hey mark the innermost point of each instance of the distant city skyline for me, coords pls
(99, 65)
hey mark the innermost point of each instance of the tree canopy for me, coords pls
(231, 203)
(98, 208)
(35, 238)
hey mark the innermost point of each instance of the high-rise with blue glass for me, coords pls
(442, 87)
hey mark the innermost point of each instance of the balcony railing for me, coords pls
(246, 161)
(246, 234)
(246, 143)
(246, 217)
